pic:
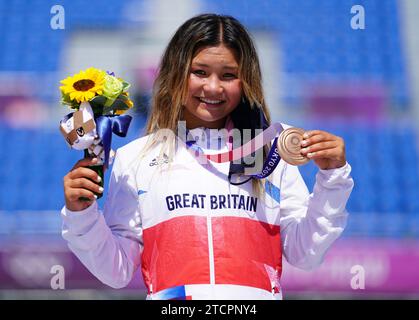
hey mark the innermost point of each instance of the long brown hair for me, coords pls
(171, 85)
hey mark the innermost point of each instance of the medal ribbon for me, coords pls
(251, 146)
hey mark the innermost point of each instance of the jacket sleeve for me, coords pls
(108, 244)
(310, 223)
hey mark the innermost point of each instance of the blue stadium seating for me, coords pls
(25, 28)
(316, 39)
(34, 163)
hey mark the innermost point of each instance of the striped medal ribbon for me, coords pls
(286, 146)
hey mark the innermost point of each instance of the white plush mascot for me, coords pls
(79, 130)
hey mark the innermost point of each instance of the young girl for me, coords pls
(197, 232)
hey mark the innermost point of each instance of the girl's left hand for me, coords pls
(326, 149)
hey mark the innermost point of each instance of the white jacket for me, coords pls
(199, 237)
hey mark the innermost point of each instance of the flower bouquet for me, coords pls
(99, 100)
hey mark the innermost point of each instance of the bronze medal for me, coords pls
(289, 146)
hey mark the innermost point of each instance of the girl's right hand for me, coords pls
(79, 188)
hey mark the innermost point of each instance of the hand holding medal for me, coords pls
(325, 149)
(297, 147)
(293, 145)
(289, 146)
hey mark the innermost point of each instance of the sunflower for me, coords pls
(84, 86)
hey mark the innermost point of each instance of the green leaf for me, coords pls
(65, 100)
(97, 104)
(100, 105)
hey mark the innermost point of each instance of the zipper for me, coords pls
(150, 294)
(210, 249)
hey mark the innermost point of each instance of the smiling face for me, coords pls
(214, 89)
